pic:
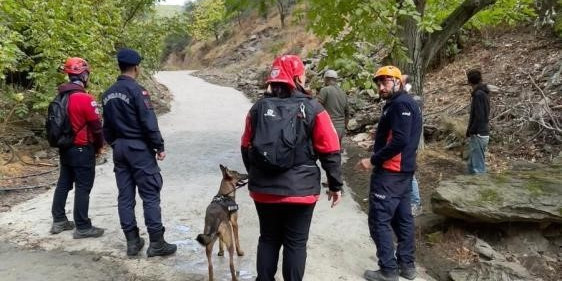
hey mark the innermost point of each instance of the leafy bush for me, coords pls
(37, 37)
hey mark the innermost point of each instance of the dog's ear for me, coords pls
(224, 170)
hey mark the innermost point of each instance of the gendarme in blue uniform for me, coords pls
(131, 128)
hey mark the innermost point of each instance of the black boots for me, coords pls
(134, 242)
(61, 226)
(380, 275)
(158, 246)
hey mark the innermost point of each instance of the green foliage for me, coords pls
(37, 37)
(208, 19)
(558, 20)
(13, 103)
(503, 12)
(489, 195)
(351, 24)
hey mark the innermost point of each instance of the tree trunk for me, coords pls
(412, 39)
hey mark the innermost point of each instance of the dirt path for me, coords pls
(202, 131)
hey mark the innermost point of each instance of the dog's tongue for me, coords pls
(242, 182)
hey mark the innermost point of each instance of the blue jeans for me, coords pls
(477, 154)
(415, 198)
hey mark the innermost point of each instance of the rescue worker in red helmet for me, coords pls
(77, 163)
(285, 197)
(393, 164)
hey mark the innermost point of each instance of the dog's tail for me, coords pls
(204, 239)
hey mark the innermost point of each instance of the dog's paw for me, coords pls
(240, 253)
(220, 254)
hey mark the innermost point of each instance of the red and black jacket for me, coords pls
(301, 183)
(398, 134)
(84, 116)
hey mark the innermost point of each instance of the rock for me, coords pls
(535, 264)
(485, 250)
(353, 125)
(361, 137)
(526, 196)
(494, 89)
(492, 270)
(525, 240)
(367, 145)
(253, 37)
(42, 154)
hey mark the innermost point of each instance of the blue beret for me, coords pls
(128, 56)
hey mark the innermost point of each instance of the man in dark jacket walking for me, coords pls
(130, 126)
(393, 164)
(478, 130)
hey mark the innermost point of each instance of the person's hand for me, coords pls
(335, 197)
(160, 155)
(364, 165)
(100, 152)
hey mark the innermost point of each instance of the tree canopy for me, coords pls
(411, 31)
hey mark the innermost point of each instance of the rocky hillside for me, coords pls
(524, 68)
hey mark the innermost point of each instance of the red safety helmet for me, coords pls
(76, 66)
(297, 65)
(282, 71)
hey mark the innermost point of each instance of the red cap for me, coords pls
(75, 66)
(285, 68)
(282, 71)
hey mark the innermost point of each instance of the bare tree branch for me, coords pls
(450, 25)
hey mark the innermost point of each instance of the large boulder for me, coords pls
(533, 195)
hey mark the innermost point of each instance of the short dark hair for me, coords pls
(124, 67)
(474, 76)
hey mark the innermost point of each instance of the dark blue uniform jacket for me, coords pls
(128, 114)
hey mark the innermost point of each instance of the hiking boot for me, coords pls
(134, 242)
(61, 226)
(408, 272)
(379, 275)
(87, 233)
(158, 246)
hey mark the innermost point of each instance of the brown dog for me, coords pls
(221, 219)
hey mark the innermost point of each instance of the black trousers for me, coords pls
(77, 167)
(284, 225)
(390, 213)
(136, 167)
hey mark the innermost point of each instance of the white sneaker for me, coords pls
(416, 210)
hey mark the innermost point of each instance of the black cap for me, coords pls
(128, 56)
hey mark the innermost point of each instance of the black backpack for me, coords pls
(280, 126)
(59, 129)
